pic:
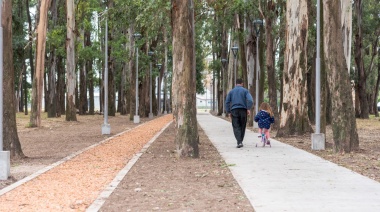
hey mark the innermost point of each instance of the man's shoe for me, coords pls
(239, 145)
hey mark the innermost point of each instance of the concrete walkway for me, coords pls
(284, 178)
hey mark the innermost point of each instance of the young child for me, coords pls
(265, 118)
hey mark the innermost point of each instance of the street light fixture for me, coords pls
(224, 62)
(257, 24)
(150, 84)
(159, 65)
(136, 118)
(235, 50)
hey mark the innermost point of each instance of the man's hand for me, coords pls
(248, 112)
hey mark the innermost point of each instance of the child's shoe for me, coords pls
(268, 142)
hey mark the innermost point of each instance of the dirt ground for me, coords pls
(160, 181)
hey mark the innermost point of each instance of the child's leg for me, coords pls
(267, 134)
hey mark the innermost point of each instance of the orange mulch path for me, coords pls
(75, 184)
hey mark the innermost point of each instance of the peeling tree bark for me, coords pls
(35, 116)
(294, 115)
(343, 116)
(184, 78)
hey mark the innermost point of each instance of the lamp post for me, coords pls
(5, 163)
(136, 118)
(318, 138)
(224, 62)
(106, 128)
(235, 50)
(150, 85)
(257, 23)
(159, 65)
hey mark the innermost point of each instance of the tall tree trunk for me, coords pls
(111, 71)
(373, 100)
(362, 77)
(60, 87)
(262, 71)
(35, 116)
(70, 62)
(269, 15)
(25, 93)
(377, 84)
(184, 77)
(90, 77)
(132, 73)
(165, 71)
(90, 74)
(30, 46)
(52, 90)
(10, 136)
(242, 51)
(123, 84)
(294, 116)
(343, 121)
(83, 89)
(250, 57)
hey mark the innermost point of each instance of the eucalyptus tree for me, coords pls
(367, 34)
(19, 43)
(51, 94)
(343, 116)
(184, 77)
(361, 72)
(294, 115)
(35, 116)
(269, 12)
(70, 62)
(10, 136)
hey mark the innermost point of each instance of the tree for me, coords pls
(362, 75)
(10, 136)
(269, 16)
(294, 116)
(70, 62)
(343, 116)
(184, 77)
(35, 116)
(52, 89)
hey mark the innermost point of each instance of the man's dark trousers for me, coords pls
(239, 122)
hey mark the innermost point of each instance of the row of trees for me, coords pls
(287, 56)
(60, 49)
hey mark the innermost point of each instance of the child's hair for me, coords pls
(265, 106)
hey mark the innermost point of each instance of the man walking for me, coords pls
(238, 104)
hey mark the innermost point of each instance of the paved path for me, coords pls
(284, 178)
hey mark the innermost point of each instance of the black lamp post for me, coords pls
(235, 50)
(224, 62)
